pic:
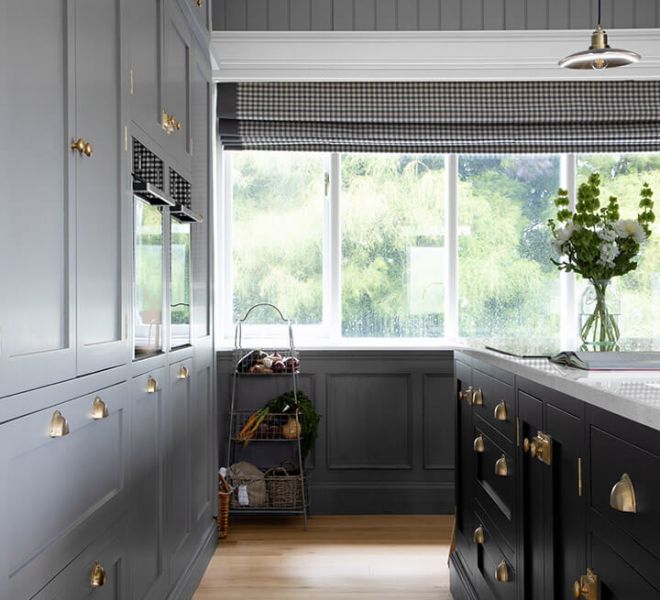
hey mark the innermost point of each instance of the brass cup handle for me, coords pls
(586, 587)
(479, 445)
(83, 147)
(478, 397)
(501, 467)
(97, 577)
(479, 535)
(58, 425)
(152, 385)
(502, 572)
(99, 409)
(184, 372)
(622, 496)
(500, 413)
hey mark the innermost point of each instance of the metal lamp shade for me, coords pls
(599, 55)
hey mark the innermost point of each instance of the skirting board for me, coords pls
(381, 499)
(459, 582)
(189, 582)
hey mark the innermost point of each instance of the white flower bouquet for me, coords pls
(596, 243)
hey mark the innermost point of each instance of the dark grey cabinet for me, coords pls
(175, 113)
(585, 514)
(37, 304)
(100, 192)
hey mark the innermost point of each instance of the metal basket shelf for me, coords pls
(284, 493)
(276, 427)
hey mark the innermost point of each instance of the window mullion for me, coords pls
(332, 299)
(451, 246)
(568, 317)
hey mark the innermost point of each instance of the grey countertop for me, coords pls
(631, 394)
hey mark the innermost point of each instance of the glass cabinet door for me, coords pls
(148, 301)
(180, 301)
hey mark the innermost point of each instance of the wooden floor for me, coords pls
(365, 557)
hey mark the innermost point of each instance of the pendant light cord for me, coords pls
(599, 22)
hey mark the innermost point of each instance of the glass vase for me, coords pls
(600, 309)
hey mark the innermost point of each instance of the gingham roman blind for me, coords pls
(459, 117)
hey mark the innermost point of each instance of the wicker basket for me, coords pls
(284, 490)
(224, 500)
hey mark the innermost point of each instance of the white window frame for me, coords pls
(328, 333)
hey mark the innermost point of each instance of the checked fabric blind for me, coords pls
(439, 117)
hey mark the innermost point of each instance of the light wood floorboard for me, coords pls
(347, 557)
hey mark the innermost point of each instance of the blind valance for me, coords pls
(444, 116)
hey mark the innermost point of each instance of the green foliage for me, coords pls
(307, 415)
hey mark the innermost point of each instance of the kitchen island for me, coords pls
(557, 481)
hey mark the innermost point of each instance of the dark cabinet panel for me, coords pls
(494, 402)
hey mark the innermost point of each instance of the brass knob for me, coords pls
(58, 425)
(99, 409)
(500, 413)
(82, 146)
(501, 467)
(587, 587)
(97, 577)
(184, 372)
(539, 447)
(529, 447)
(479, 535)
(478, 398)
(466, 395)
(622, 496)
(88, 150)
(152, 385)
(166, 122)
(479, 445)
(199, 3)
(502, 572)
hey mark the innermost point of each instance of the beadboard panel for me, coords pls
(386, 437)
(450, 15)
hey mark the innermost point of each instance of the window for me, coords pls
(380, 247)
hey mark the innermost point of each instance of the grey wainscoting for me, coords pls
(401, 15)
(386, 439)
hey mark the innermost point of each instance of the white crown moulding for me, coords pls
(419, 55)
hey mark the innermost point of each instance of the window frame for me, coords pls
(328, 334)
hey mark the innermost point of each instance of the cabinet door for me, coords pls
(102, 339)
(180, 542)
(37, 303)
(202, 10)
(144, 28)
(201, 167)
(148, 564)
(176, 84)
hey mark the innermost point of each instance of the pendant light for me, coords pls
(599, 56)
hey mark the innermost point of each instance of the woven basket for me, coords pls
(284, 490)
(224, 500)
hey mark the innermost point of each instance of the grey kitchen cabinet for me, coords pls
(37, 304)
(145, 39)
(202, 12)
(100, 192)
(99, 573)
(64, 473)
(175, 110)
(146, 514)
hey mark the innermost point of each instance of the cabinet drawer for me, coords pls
(494, 402)
(60, 478)
(492, 563)
(618, 579)
(98, 572)
(494, 471)
(611, 457)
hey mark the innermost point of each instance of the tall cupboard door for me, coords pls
(99, 164)
(144, 28)
(202, 11)
(37, 303)
(176, 86)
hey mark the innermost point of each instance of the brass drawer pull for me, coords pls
(58, 425)
(478, 397)
(500, 413)
(479, 444)
(622, 496)
(587, 587)
(152, 385)
(501, 467)
(99, 409)
(466, 395)
(184, 372)
(97, 577)
(479, 535)
(502, 572)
